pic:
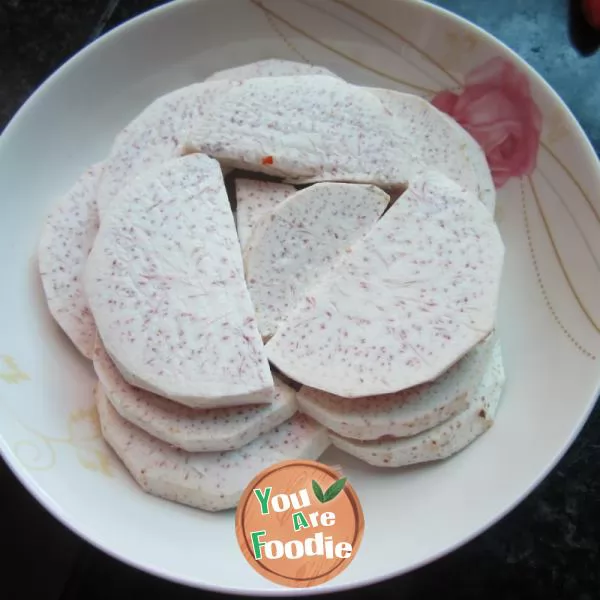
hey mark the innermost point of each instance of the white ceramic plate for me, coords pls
(549, 317)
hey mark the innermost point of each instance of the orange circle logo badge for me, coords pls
(299, 524)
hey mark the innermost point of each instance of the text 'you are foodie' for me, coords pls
(299, 524)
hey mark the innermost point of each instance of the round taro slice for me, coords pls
(443, 144)
(193, 430)
(442, 441)
(166, 286)
(404, 413)
(270, 67)
(301, 239)
(255, 200)
(67, 238)
(211, 481)
(409, 300)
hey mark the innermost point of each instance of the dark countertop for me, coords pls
(549, 547)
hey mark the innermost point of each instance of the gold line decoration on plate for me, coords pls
(275, 27)
(572, 177)
(540, 281)
(566, 206)
(406, 56)
(327, 46)
(401, 37)
(38, 452)
(558, 256)
(10, 372)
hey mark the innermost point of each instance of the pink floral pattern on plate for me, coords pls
(497, 109)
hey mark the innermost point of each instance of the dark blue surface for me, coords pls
(547, 548)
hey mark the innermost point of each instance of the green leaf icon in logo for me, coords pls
(332, 491)
(318, 491)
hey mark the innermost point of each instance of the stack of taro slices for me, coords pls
(376, 310)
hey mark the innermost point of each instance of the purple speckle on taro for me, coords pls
(301, 239)
(194, 430)
(211, 481)
(446, 438)
(161, 296)
(408, 268)
(403, 413)
(67, 238)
